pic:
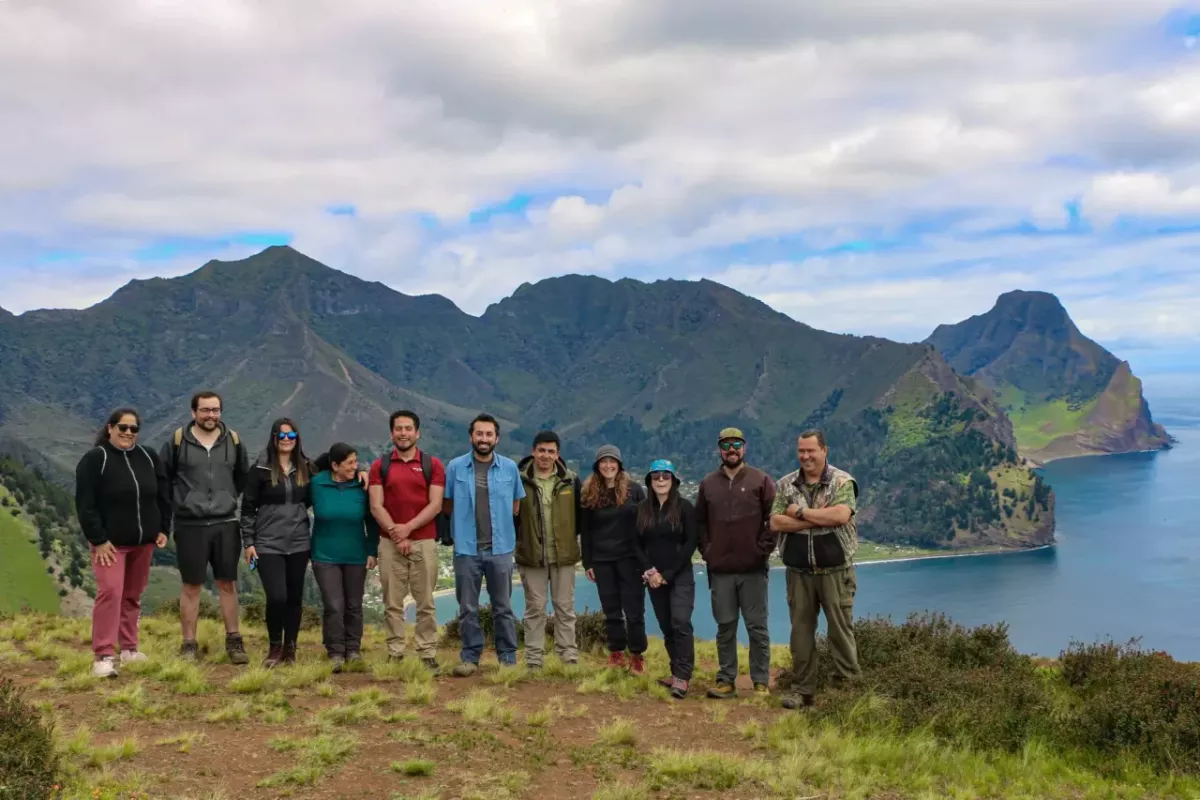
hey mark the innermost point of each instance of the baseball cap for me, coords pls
(730, 433)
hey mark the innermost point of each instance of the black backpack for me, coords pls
(441, 522)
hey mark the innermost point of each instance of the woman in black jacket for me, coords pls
(666, 539)
(124, 505)
(607, 519)
(276, 534)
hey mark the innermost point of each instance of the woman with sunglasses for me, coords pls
(665, 542)
(277, 536)
(124, 505)
(607, 518)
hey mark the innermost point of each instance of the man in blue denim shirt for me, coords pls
(483, 494)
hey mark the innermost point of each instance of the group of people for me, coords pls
(536, 516)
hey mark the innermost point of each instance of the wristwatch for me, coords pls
(800, 512)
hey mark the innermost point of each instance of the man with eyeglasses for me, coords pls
(733, 512)
(207, 467)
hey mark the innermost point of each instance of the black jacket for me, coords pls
(668, 549)
(606, 534)
(208, 482)
(275, 517)
(122, 496)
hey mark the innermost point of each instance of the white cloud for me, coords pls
(746, 141)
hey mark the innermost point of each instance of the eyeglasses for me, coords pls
(661, 476)
(735, 444)
(216, 410)
(287, 435)
(124, 428)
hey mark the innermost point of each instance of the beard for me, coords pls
(208, 424)
(404, 447)
(483, 448)
(731, 459)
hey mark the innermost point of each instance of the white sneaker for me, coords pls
(132, 655)
(104, 668)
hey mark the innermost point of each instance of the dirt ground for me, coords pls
(556, 736)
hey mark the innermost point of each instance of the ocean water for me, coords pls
(1127, 565)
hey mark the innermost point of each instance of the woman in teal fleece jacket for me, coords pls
(345, 540)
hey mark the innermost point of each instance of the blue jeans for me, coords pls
(469, 572)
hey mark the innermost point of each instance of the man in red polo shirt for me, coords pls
(406, 509)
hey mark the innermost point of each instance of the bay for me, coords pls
(1127, 565)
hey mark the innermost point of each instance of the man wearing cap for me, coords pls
(733, 510)
(548, 548)
(732, 518)
(814, 511)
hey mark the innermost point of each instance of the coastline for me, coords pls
(997, 551)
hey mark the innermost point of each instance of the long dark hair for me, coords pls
(113, 419)
(299, 460)
(647, 512)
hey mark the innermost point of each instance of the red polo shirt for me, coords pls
(406, 492)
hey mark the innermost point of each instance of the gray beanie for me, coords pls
(608, 451)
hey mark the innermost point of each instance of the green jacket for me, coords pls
(343, 530)
(531, 548)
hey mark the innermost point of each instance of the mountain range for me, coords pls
(656, 368)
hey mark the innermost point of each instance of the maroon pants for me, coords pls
(118, 605)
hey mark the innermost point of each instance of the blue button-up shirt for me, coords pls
(504, 488)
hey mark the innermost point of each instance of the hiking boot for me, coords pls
(129, 656)
(668, 682)
(105, 667)
(762, 690)
(394, 659)
(274, 656)
(190, 651)
(338, 662)
(235, 648)
(533, 667)
(637, 664)
(353, 657)
(793, 701)
(723, 691)
(432, 665)
(616, 659)
(679, 688)
(289, 653)
(465, 670)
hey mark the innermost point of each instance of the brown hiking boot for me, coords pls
(274, 656)
(616, 659)
(289, 653)
(637, 664)
(235, 648)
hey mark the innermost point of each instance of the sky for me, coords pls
(866, 167)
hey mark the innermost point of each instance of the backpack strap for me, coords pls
(385, 462)
(427, 470)
(177, 441)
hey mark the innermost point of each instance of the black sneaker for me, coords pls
(190, 651)
(235, 648)
(338, 662)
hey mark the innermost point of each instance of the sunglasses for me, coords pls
(287, 435)
(661, 476)
(732, 445)
(125, 428)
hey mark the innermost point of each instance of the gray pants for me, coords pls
(342, 595)
(742, 593)
(832, 593)
(561, 582)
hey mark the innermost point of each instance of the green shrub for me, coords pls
(589, 629)
(28, 761)
(967, 686)
(1134, 702)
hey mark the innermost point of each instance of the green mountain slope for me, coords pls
(655, 368)
(1066, 395)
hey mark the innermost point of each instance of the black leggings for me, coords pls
(623, 598)
(283, 581)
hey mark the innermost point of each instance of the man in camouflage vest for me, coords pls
(814, 511)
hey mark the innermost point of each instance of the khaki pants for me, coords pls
(832, 593)
(561, 582)
(400, 576)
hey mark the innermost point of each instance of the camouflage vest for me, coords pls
(793, 490)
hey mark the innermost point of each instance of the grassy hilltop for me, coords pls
(941, 712)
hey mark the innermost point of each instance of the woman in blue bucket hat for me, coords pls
(665, 542)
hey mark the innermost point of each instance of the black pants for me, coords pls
(623, 598)
(673, 606)
(342, 595)
(283, 581)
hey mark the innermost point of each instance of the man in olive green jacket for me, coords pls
(548, 548)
